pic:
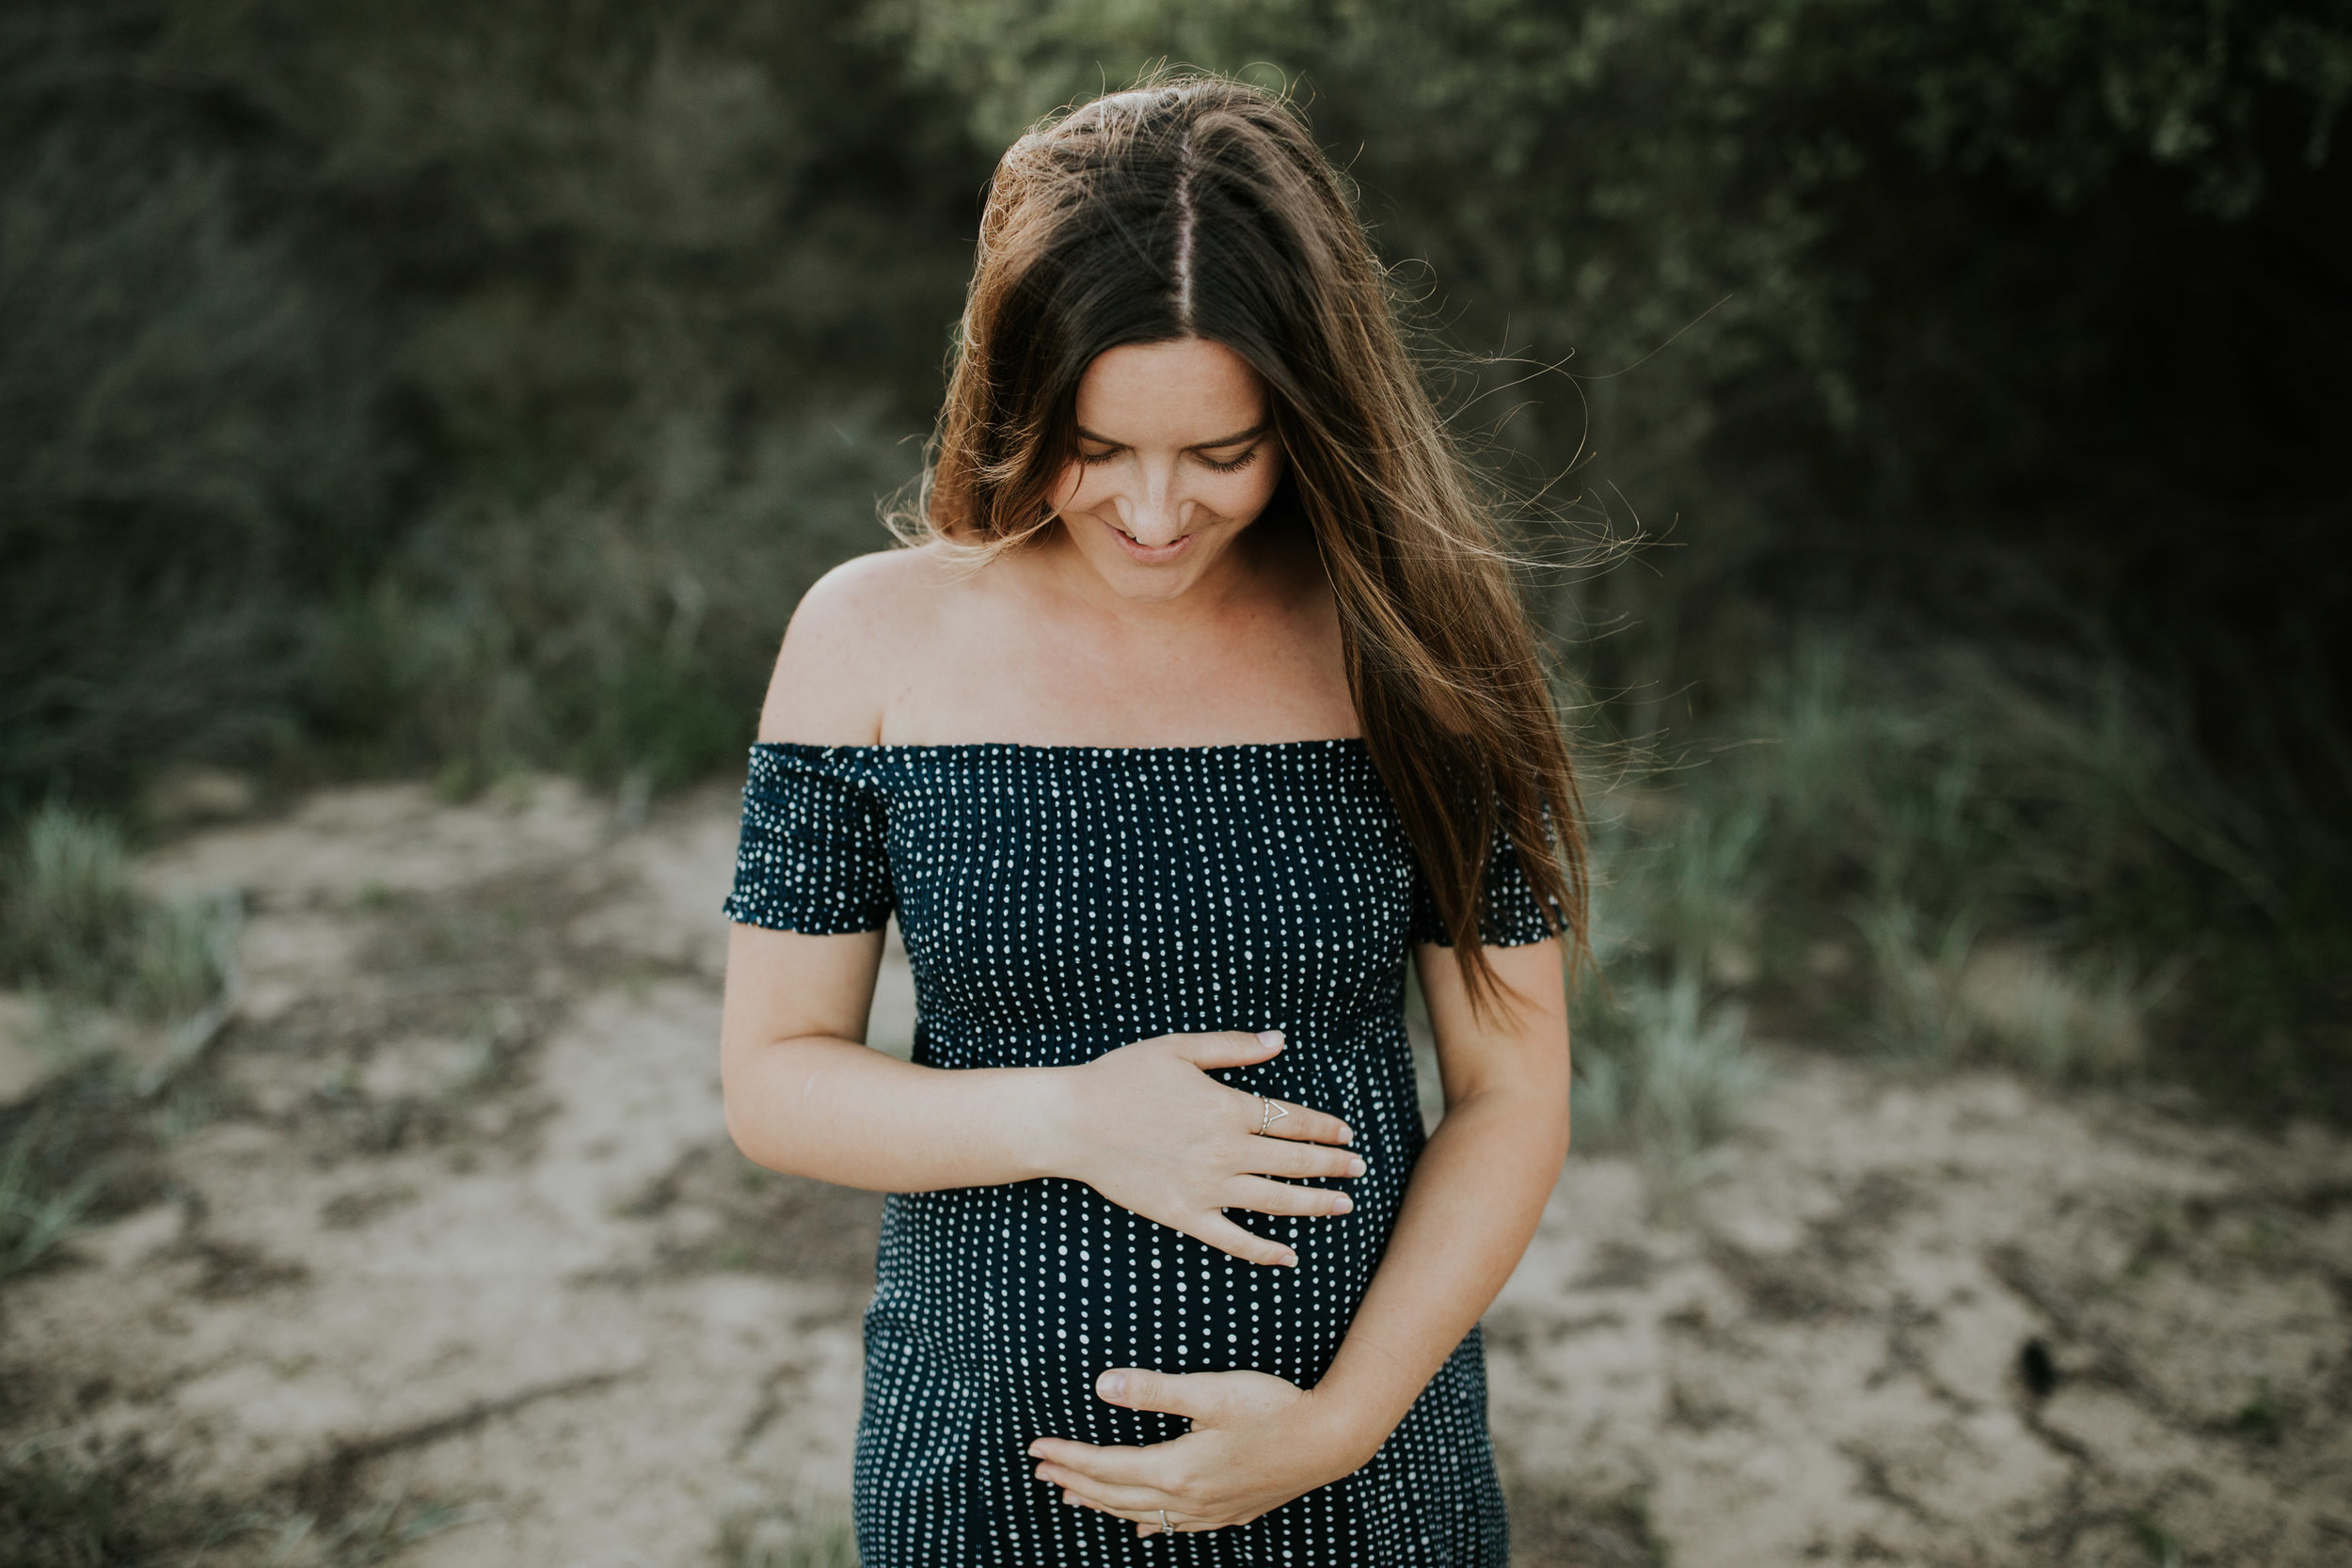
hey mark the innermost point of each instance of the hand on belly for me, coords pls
(1148, 1129)
(1256, 1443)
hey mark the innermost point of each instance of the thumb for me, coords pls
(1228, 1048)
(1175, 1393)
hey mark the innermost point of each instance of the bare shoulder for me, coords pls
(854, 638)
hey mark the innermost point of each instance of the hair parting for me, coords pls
(1183, 230)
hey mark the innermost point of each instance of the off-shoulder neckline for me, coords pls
(902, 748)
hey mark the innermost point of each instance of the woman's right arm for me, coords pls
(805, 1095)
(1144, 1125)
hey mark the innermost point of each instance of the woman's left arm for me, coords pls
(1468, 1211)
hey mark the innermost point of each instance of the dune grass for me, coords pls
(100, 1505)
(812, 1533)
(1930, 855)
(36, 1211)
(71, 925)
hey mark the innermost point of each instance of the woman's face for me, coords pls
(1176, 456)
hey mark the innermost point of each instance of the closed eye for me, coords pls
(1226, 466)
(1223, 465)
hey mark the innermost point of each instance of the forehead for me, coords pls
(1181, 393)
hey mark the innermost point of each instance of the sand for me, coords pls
(446, 1214)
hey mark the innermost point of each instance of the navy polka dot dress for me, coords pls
(1058, 902)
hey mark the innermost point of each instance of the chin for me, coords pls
(1152, 584)
(1157, 588)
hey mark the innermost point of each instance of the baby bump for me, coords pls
(1040, 1286)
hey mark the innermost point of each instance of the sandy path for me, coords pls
(448, 1214)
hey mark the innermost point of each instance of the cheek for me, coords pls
(1075, 490)
(1246, 494)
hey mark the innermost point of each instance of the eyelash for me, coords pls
(1237, 466)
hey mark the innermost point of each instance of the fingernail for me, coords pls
(1354, 1167)
(1348, 1137)
(1288, 1260)
(1111, 1386)
(1347, 1205)
(1272, 1039)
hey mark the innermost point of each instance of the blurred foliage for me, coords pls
(1958, 853)
(116, 1504)
(1669, 1077)
(35, 1215)
(72, 926)
(395, 383)
(446, 389)
(814, 1532)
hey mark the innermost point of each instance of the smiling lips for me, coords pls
(1150, 555)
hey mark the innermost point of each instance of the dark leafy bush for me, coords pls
(393, 383)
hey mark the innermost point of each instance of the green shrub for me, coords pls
(1687, 888)
(71, 922)
(1916, 979)
(417, 385)
(1665, 1071)
(71, 916)
(817, 1534)
(2038, 869)
(35, 1214)
(104, 1505)
(183, 959)
(65, 1509)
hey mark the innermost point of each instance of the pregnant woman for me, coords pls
(1200, 703)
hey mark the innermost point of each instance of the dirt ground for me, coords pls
(447, 1215)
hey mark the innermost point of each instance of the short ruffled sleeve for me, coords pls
(812, 857)
(1511, 916)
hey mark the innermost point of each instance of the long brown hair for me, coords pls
(1194, 206)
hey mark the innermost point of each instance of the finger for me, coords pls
(1271, 1157)
(1106, 1496)
(1196, 1398)
(1149, 1525)
(1147, 1521)
(1302, 1125)
(1224, 1235)
(1227, 1048)
(1261, 1196)
(1106, 1464)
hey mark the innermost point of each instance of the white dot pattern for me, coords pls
(1058, 902)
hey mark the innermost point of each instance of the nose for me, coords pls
(1152, 512)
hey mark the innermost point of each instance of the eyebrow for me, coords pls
(1250, 435)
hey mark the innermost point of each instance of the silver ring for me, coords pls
(1166, 1528)
(1267, 1115)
